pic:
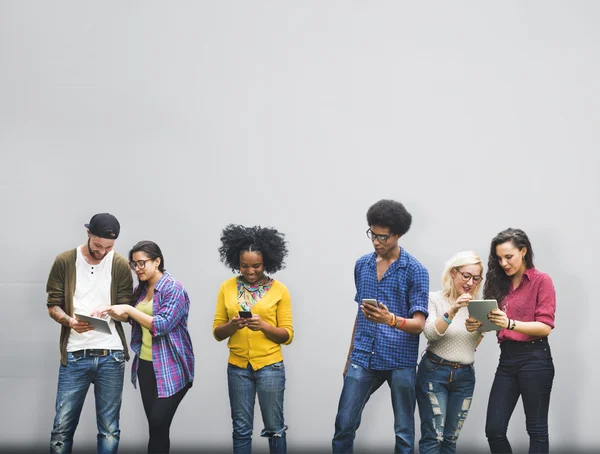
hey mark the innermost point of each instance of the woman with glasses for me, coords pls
(527, 303)
(164, 358)
(445, 376)
(254, 312)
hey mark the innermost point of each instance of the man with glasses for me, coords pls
(385, 339)
(82, 281)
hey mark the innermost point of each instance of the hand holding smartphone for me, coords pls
(245, 314)
(371, 302)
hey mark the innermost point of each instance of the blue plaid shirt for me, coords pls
(404, 289)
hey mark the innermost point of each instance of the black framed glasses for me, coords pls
(379, 237)
(468, 276)
(141, 264)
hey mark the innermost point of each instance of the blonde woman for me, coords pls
(445, 376)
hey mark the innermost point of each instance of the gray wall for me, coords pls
(181, 117)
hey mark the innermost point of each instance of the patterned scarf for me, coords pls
(249, 295)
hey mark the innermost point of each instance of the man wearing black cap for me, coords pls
(83, 280)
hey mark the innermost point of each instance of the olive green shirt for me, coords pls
(61, 289)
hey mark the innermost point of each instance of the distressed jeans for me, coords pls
(444, 395)
(244, 385)
(525, 369)
(74, 380)
(359, 385)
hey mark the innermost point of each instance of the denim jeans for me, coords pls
(359, 384)
(74, 379)
(269, 384)
(525, 369)
(444, 395)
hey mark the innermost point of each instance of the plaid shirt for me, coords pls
(172, 353)
(404, 289)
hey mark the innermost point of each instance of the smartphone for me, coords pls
(371, 302)
(245, 314)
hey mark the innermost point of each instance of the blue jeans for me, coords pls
(74, 379)
(359, 384)
(444, 395)
(244, 384)
(525, 369)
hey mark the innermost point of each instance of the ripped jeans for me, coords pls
(444, 395)
(269, 384)
(74, 380)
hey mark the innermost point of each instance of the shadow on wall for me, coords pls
(220, 450)
(566, 348)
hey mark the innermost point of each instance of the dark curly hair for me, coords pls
(270, 243)
(151, 249)
(497, 283)
(390, 214)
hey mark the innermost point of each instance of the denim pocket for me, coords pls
(541, 352)
(118, 356)
(428, 365)
(278, 365)
(72, 358)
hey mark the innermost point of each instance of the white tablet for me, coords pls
(479, 310)
(101, 325)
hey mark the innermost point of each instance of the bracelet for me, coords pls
(508, 324)
(446, 319)
(513, 324)
(393, 322)
(402, 326)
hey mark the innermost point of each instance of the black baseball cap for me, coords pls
(104, 225)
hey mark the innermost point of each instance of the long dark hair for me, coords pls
(151, 249)
(497, 283)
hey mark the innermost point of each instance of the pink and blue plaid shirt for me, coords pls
(172, 352)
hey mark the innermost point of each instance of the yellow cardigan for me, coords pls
(253, 346)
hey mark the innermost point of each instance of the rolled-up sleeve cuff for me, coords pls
(546, 320)
(423, 309)
(290, 335)
(156, 331)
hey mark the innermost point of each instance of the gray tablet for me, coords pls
(479, 310)
(101, 325)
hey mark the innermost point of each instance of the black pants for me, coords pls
(159, 411)
(525, 369)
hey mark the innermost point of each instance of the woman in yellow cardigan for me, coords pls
(254, 312)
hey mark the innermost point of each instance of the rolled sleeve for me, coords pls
(546, 302)
(430, 331)
(220, 313)
(419, 292)
(174, 305)
(284, 316)
(356, 274)
(55, 287)
(125, 283)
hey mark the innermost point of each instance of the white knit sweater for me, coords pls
(456, 344)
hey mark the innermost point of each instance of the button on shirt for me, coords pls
(247, 346)
(172, 352)
(92, 291)
(534, 300)
(404, 289)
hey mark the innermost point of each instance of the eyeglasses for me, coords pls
(381, 238)
(468, 276)
(141, 264)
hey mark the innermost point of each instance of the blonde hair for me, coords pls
(458, 260)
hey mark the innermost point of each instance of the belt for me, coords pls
(506, 343)
(93, 352)
(442, 362)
